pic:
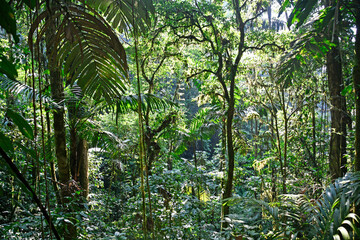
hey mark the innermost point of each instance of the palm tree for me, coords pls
(83, 49)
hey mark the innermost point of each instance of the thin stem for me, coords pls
(141, 127)
(35, 131)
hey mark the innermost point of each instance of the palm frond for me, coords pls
(88, 48)
(310, 47)
(204, 123)
(25, 91)
(121, 15)
(334, 217)
(128, 103)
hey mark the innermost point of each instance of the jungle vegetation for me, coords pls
(179, 119)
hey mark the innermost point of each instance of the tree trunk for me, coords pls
(57, 92)
(313, 122)
(337, 160)
(313, 157)
(356, 79)
(286, 131)
(223, 161)
(73, 147)
(83, 166)
(272, 164)
(231, 159)
(52, 164)
(169, 158)
(337, 150)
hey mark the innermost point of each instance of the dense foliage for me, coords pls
(179, 119)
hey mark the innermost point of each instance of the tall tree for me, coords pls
(223, 41)
(337, 160)
(329, 24)
(82, 45)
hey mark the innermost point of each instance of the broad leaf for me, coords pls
(22, 124)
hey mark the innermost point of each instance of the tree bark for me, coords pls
(230, 96)
(57, 92)
(337, 160)
(223, 161)
(337, 150)
(231, 158)
(83, 169)
(52, 164)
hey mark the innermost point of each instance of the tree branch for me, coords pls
(198, 73)
(255, 17)
(265, 45)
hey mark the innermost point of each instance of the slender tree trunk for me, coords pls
(278, 142)
(73, 148)
(223, 161)
(272, 164)
(52, 163)
(286, 131)
(169, 159)
(83, 169)
(231, 159)
(313, 122)
(356, 80)
(256, 138)
(78, 150)
(314, 140)
(142, 157)
(57, 92)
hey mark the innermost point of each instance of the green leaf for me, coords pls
(22, 124)
(120, 13)
(301, 12)
(285, 4)
(7, 68)
(344, 233)
(92, 55)
(7, 19)
(6, 145)
(347, 90)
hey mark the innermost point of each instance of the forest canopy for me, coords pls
(179, 119)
